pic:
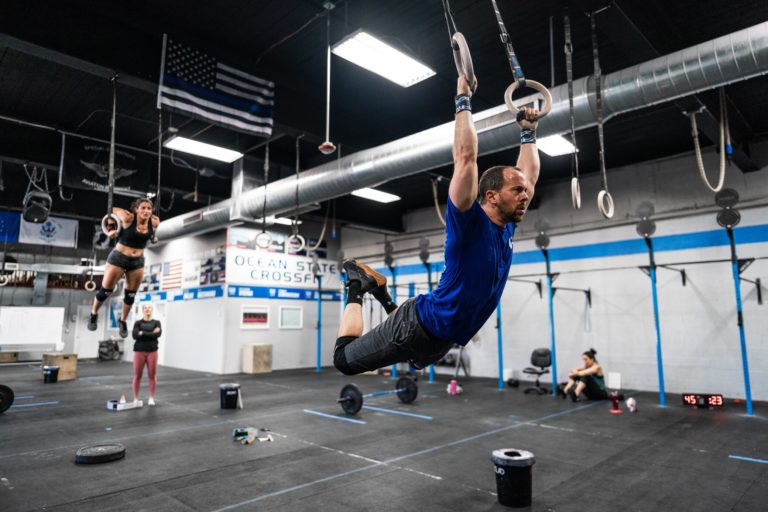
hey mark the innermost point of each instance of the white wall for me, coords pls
(68, 299)
(700, 338)
(194, 335)
(291, 348)
(205, 335)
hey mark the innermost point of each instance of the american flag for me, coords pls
(197, 84)
(171, 275)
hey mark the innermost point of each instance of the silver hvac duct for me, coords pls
(731, 58)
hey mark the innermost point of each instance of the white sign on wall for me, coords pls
(190, 274)
(248, 266)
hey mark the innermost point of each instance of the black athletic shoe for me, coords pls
(92, 322)
(123, 329)
(369, 278)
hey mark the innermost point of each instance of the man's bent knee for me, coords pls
(340, 357)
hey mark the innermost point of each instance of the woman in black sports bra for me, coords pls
(138, 227)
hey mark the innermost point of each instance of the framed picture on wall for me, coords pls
(254, 317)
(291, 317)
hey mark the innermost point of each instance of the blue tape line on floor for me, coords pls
(35, 404)
(24, 397)
(98, 377)
(393, 411)
(748, 459)
(334, 417)
(396, 459)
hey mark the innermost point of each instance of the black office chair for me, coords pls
(542, 358)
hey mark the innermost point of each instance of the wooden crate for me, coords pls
(257, 358)
(67, 364)
(8, 357)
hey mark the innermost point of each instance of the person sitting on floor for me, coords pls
(587, 380)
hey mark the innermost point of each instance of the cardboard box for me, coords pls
(67, 364)
(257, 358)
(8, 357)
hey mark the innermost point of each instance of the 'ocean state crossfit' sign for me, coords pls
(246, 266)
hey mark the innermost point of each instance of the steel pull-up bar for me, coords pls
(587, 292)
(537, 283)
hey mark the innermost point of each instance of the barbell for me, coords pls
(351, 399)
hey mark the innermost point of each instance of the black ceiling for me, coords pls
(366, 110)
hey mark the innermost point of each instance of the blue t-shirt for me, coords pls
(478, 254)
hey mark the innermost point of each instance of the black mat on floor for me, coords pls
(180, 455)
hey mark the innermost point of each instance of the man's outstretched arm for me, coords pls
(528, 160)
(463, 187)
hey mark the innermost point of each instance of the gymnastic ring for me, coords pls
(302, 243)
(263, 240)
(4, 280)
(575, 192)
(104, 223)
(90, 285)
(535, 86)
(605, 204)
(463, 59)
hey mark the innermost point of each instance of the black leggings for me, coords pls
(593, 391)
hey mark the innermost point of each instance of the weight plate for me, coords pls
(727, 197)
(351, 399)
(728, 218)
(408, 390)
(99, 453)
(6, 398)
(542, 241)
(646, 228)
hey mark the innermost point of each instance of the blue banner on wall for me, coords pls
(266, 292)
(205, 292)
(9, 226)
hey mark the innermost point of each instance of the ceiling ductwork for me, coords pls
(732, 58)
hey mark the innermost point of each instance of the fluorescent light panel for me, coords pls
(198, 148)
(285, 222)
(376, 195)
(555, 145)
(271, 219)
(375, 55)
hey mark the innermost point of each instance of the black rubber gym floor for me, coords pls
(180, 455)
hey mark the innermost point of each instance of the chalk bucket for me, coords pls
(229, 395)
(514, 476)
(50, 374)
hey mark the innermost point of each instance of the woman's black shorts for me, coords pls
(126, 263)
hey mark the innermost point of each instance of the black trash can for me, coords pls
(514, 476)
(229, 395)
(50, 374)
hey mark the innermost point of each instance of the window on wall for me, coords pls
(291, 317)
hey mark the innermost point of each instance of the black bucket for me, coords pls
(514, 476)
(50, 374)
(229, 395)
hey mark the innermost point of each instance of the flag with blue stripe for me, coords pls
(198, 85)
(9, 226)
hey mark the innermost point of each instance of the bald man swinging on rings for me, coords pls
(480, 227)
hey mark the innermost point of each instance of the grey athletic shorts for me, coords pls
(126, 263)
(398, 339)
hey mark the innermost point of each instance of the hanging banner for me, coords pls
(252, 267)
(9, 226)
(190, 274)
(86, 166)
(171, 277)
(55, 231)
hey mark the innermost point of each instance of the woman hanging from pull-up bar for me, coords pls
(137, 228)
